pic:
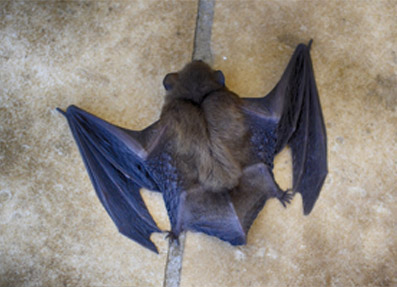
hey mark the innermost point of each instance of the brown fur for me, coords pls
(210, 138)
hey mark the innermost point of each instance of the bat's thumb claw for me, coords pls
(61, 111)
(309, 45)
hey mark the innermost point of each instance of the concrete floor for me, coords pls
(110, 58)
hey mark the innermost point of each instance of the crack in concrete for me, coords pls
(202, 36)
(201, 51)
(173, 267)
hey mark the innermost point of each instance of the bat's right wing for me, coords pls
(115, 159)
(291, 114)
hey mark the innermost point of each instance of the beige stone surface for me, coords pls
(110, 58)
(350, 238)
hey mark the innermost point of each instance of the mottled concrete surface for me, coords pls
(110, 58)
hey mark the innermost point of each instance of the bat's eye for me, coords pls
(169, 81)
(219, 77)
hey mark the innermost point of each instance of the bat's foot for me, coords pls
(286, 197)
(172, 236)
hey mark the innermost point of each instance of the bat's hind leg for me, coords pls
(273, 190)
(256, 186)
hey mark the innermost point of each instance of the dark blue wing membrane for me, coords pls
(291, 114)
(213, 214)
(118, 146)
(309, 160)
(117, 171)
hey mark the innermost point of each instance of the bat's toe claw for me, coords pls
(172, 236)
(286, 197)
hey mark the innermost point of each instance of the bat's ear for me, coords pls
(219, 77)
(170, 80)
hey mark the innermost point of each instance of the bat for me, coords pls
(210, 153)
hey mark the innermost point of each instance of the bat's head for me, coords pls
(194, 82)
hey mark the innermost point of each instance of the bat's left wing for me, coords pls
(291, 114)
(115, 159)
